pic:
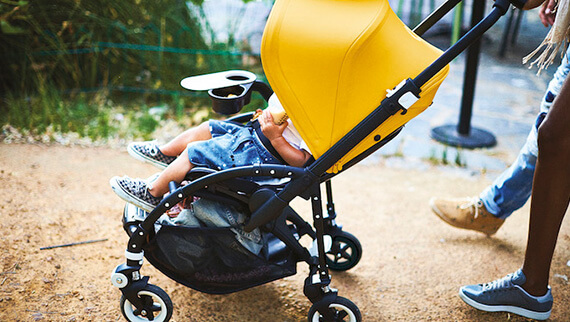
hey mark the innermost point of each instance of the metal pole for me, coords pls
(463, 135)
(470, 76)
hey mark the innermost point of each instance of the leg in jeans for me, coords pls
(512, 188)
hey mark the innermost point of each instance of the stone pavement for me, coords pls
(507, 98)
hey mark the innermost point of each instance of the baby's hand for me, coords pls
(269, 128)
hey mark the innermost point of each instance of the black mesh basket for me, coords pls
(211, 260)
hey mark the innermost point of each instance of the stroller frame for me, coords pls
(269, 206)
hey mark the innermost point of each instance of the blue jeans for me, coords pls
(513, 187)
(231, 146)
(210, 213)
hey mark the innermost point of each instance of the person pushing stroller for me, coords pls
(216, 145)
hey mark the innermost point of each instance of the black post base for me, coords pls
(477, 138)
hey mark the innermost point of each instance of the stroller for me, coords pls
(349, 88)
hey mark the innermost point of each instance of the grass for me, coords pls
(50, 116)
(458, 161)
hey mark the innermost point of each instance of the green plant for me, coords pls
(459, 160)
(435, 159)
(399, 151)
(444, 156)
(432, 157)
(86, 44)
(145, 125)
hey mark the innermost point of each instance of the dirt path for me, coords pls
(412, 267)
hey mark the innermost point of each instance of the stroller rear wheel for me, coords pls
(345, 252)
(342, 309)
(157, 306)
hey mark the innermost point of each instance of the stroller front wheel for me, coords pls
(342, 309)
(345, 252)
(157, 306)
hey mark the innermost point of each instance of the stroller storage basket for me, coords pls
(211, 260)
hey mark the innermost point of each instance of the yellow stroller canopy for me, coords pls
(331, 62)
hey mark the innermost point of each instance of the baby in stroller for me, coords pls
(195, 246)
(205, 245)
(215, 145)
(269, 138)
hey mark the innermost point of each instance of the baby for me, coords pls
(213, 144)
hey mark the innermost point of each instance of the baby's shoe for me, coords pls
(134, 191)
(148, 151)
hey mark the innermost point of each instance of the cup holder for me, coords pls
(230, 100)
(230, 90)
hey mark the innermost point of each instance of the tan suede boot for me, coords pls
(466, 213)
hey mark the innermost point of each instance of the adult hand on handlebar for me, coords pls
(547, 14)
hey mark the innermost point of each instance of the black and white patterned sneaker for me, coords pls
(148, 151)
(134, 191)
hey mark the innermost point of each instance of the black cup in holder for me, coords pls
(230, 100)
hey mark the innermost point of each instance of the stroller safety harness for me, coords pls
(349, 74)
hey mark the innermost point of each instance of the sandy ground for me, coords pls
(411, 269)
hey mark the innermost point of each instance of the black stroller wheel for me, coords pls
(342, 309)
(158, 306)
(345, 252)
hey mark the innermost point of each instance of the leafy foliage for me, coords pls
(62, 43)
(66, 63)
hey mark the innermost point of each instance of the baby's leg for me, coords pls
(176, 171)
(177, 145)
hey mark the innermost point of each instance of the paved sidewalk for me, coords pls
(507, 98)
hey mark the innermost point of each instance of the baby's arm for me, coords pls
(291, 155)
(274, 133)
